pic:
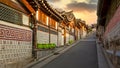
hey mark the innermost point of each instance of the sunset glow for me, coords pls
(83, 9)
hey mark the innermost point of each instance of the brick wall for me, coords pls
(15, 44)
(112, 28)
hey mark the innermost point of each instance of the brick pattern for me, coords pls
(15, 44)
(114, 32)
(10, 33)
(113, 22)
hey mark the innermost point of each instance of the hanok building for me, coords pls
(78, 29)
(68, 27)
(45, 25)
(109, 28)
(82, 28)
(47, 20)
(15, 34)
(24, 23)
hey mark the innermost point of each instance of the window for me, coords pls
(52, 23)
(10, 15)
(44, 18)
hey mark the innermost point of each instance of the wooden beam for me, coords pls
(29, 7)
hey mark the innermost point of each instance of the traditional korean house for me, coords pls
(47, 20)
(83, 28)
(68, 27)
(78, 28)
(45, 24)
(15, 34)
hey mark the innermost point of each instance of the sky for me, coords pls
(82, 9)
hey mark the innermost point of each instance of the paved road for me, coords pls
(82, 55)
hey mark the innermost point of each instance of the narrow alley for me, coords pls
(59, 34)
(82, 55)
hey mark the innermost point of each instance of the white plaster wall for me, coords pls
(42, 37)
(14, 25)
(67, 38)
(84, 34)
(71, 37)
(25, 20)
(60, 42)
(78, 34)
(53, 38)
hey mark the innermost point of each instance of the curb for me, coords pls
(106, 56)
(37, 61)
(100, 65)
(50, 57)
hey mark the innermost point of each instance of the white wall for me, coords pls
(71, 37)
(53, 38)
(25, 20)
(67, 38)
(42, 37)
(60, 39)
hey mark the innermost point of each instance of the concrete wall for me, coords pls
(15, 44)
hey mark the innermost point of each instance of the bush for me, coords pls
(70, 41)
(46, 46)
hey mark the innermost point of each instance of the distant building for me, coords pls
(82, 28)
(68, 27)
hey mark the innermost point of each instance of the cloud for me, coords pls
(53, 0)
(81, 6)
(92, 1)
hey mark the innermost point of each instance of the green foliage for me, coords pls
(70, 41)
(46, 46)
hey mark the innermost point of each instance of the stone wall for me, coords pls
(15, 45)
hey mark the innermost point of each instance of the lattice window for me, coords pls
(10, 15)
